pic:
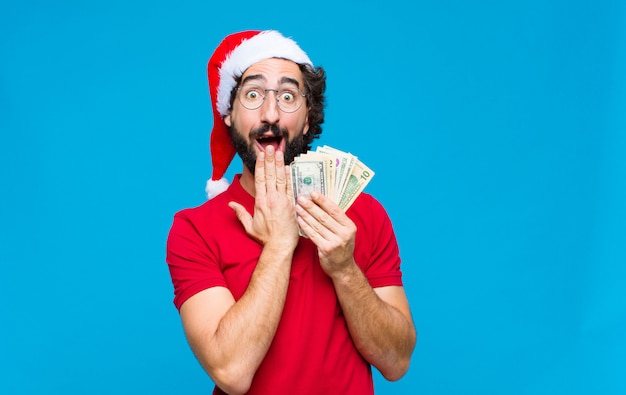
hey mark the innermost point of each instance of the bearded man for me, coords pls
(264, 309)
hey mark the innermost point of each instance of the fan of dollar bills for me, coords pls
(331, 172)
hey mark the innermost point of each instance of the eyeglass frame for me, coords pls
(265, 90)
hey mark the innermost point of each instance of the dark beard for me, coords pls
(246, 150)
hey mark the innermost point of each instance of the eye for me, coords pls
(253, 94)
(287, 96)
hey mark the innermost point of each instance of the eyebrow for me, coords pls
(283, 80)
(253, 77)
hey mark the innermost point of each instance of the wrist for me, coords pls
(279, 247)
(345, 274)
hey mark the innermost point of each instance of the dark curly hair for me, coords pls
(315, 88)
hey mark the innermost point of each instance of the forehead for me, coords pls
(274, 71)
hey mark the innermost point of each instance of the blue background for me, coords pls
(497, 131)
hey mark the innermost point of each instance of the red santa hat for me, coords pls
(230, 60)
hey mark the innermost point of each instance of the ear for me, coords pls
(306, 125)
(227, 120)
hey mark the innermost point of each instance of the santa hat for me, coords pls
(230, 60)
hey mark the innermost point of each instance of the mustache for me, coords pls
(275, 129)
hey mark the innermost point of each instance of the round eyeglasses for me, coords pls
(289, 99)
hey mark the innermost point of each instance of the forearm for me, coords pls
(233, 352)
(384, 335)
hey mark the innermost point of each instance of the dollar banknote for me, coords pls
(308, 176)
(359, 177)
(344, 162)
(329, 169)
(331, 172)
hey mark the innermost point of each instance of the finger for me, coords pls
(281, 179)
(338, 227)
(259, 175)
(315, 218)
(308, 231)
(270, 169)
(289, 184)
(330, 207)
(318, 208)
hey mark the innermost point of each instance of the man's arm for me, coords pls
(379, 319)
(230, 338)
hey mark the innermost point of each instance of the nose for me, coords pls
(269, 109)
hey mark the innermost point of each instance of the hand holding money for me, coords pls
(331, 172)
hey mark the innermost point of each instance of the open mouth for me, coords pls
(265, 141)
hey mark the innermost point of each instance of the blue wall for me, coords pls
(497, 132)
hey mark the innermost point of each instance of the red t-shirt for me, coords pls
(312, 352)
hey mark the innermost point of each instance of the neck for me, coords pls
(247, 181)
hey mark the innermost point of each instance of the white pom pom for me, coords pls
(215, 187)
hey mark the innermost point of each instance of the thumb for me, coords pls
(242, 215)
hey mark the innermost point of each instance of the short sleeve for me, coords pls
(377, 251)
(192, 265)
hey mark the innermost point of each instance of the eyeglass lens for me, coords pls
(289, 99)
